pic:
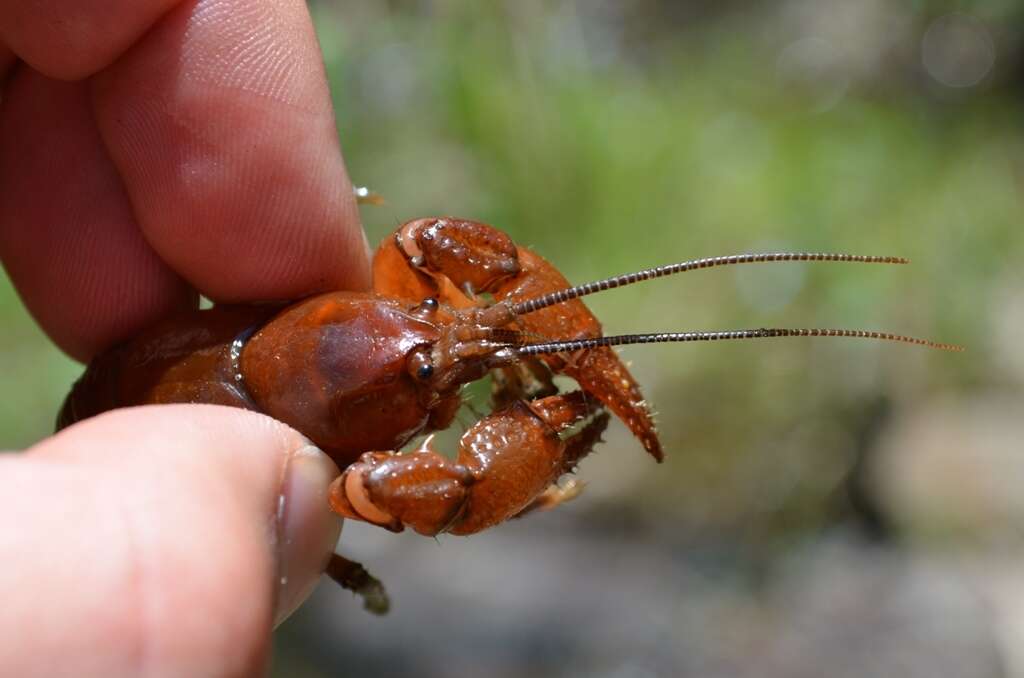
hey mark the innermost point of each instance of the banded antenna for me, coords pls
(561, 296)
(540, 348)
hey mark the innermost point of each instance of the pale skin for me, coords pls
(152, 150)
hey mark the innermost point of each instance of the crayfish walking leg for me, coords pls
(353, 576)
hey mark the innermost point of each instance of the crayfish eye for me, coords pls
(420, 366)
(426, 308)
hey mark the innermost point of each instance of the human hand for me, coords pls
(150, 149)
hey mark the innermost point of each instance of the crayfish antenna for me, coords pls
(541, 348)
(560, 296)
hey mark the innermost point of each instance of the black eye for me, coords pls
(420, 366)
(426, 308)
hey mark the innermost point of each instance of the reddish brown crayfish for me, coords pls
(362, 373)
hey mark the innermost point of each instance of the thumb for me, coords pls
(160, 540)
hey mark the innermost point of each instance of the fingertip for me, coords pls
(307, 529)
(221, 124)
(203, 511)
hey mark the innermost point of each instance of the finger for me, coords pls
(6, 61)
(221, 125)
(152, 541)
(68, 238)
(70, 39)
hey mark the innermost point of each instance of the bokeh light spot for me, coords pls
(958, 50)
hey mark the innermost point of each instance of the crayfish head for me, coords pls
(468, 347)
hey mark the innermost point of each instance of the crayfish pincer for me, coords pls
(363, 373)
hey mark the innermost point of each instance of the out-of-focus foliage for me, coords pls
(615, 136)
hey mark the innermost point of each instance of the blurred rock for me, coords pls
(543, 599)
(953, 471)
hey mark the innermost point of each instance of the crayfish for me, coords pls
(363, 373)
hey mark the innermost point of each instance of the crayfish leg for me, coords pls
(353, 576)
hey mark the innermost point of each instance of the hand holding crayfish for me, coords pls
(150, 540)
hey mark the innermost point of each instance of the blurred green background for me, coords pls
(826, 505)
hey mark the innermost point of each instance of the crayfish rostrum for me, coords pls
(362, 373)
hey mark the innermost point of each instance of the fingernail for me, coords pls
(307, 529)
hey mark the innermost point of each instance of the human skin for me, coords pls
(151, 151)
